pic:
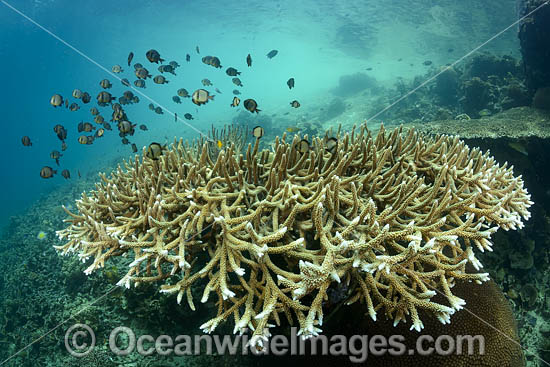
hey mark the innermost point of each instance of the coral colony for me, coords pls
(393, 220)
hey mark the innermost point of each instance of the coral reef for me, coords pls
(394, 220)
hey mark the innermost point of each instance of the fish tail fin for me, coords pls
(161, 60)
(57, 161)
(212, 96)
(257, 110)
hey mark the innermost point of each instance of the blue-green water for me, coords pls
(318, 41)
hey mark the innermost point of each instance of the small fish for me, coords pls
(290, 83)
(167, 69)
(175, 117)
(130, 57)
(368, 69)
(117, 69)
(236, 92)
(237, 82)
(219, 144)
(272, 54)
(176, 99)
(94, 111)
(302, 146)
(60, 131)
(331, 144)
(174, 64)
(249, 60)
(197, 49)
(251, 105)
(105, 84)
(86, 97)
(450, 50)
(212, 61)
(188, 116)
(182, 92)
(137, 65)
(125, 141)
(139, 83)
(232, 72)
(293, 129)
(218, 91)
(518, 147)
(151, 106)
(295, 104)
(77, 93)
(258, 132)
(87, 127)
(26, 141)
(159, 79)
(143, 127)
(74, 107)
(134, 148)
(187, 57)
(55, 155)
(56, 100)
(206, 82)
(66, 174)
(125, 82)
(78, 171)
(201, 96)
(159, 111)
(126, 127)
(99, 119)
(107, 126)
(154, 151)
(235, 102)
(142, 73)
(99, 133)
(63, 146)
(47, 172)
(104, 97)
(427, 63)
(66, 103)
(153, 56)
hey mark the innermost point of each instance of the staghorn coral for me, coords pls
(393, 218)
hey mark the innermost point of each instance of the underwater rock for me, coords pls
(514, 94)
(446, 86)
(477, 95)
(335, 108)
(534, 37)
(484, 65)
(349, 85)
(521, 260)
(541, 99)
(529, 295)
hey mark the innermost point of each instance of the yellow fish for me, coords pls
(292, 129)
(219, 144)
